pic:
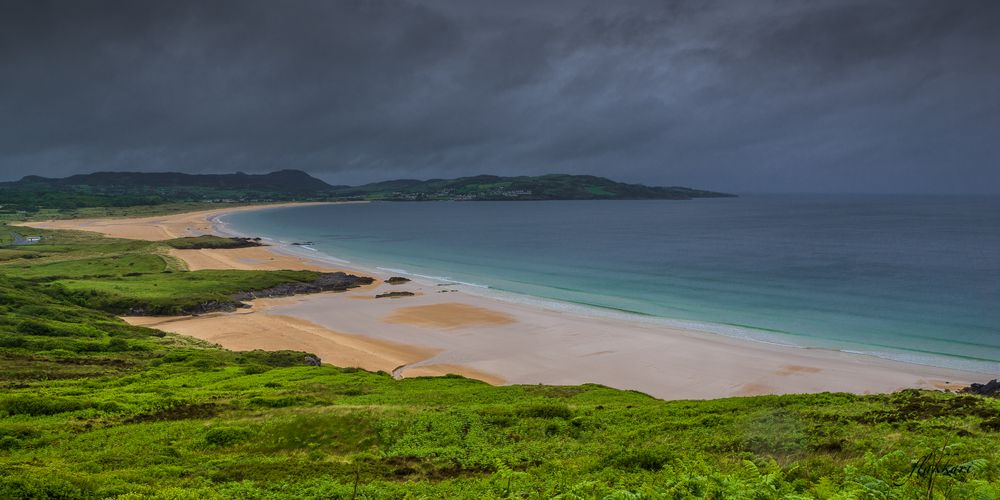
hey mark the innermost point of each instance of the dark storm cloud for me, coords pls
(850, 95)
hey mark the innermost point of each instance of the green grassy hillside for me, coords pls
(91, 407)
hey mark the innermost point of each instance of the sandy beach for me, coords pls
(444, 328)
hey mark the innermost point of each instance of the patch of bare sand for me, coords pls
(448, 315)
(794, 369)
(245, 331)
(253, 258)
(753, 389)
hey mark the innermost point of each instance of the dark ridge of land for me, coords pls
(149, 189)
(522, 188)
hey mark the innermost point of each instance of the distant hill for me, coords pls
(282, 181)
(126, 189)
(543, 187)
(122, 189)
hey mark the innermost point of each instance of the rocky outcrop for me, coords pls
(397, 280)
(991, 388)
(193, 310)
(312, 360)
(325, 282)
(212, 242)
(390, 295)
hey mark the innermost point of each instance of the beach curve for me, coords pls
(506, 343)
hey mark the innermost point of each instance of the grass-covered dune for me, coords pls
(91, 407)
(210, 241)
(172, 293)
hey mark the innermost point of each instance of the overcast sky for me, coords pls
(738, 95)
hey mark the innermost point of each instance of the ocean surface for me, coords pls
(910, 278)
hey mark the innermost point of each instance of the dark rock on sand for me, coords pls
(397, 280)
(312, 361)
(394, 294)
(325, 282)
(199, 243)
(203, 308)
(991, 388)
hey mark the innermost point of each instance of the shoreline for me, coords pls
(740, 333)
(434, 333)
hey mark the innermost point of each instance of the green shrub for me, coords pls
(12, 341)
(8, 443)
(61, 353)
(35, 327)
(546, 410)
(168, 410)
(498, 416)
(226, 436)
(39, 486)
(991, 425)
(353, 432)
(38, 405)
(280, 402)
(636, 459)
(278, 359)
(255, 369)
(117, 344)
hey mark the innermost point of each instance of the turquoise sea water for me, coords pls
(902, 277)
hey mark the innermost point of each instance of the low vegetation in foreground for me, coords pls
(91, 407)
